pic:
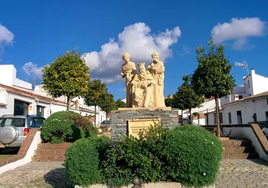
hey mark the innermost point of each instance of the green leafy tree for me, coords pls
(107, 103)
(168, 101)
(95, 94)
(186, 97)
(67, 76)
(120, 104)
(212, 76)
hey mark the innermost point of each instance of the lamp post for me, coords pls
(136, 182)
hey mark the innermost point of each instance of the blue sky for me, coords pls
(33, 33)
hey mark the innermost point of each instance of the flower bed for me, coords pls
(189, 155)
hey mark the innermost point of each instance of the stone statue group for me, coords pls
(146, 88)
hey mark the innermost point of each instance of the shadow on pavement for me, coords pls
(259, 161)
(58, 178)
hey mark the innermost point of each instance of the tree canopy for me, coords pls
(95, 94)
(67, 76)
(168, 101)
(120, 104)
(186, 97)
(107, 103)
(212, 76)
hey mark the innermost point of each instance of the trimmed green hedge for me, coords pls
(66, 126)
(193, 156)
(187, 154)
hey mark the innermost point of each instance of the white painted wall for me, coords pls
(8, 75)
(3, 96)
(22, 83)
(248, 108)
(260, 83)
(2, 110)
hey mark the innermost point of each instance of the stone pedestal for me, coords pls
(120, 118)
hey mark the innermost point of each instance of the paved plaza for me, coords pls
(233, 173)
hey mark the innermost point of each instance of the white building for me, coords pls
(17, 97)
(246, 102)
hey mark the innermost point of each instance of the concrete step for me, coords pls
(234, 143)
(47, 152)
(239, 149)
(54, 146)
(240, 155)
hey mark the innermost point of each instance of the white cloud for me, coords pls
(135, 39)
(186, 50)
(239, 30)
(6, 36)
(32, 70)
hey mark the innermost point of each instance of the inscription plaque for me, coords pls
(137, 125)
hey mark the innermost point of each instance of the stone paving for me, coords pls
(233, 174)
(243, 174)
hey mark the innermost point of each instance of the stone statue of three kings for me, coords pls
(146, 88)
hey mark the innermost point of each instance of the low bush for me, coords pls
(82, 160)
(66, 126)
(193, 156)
(57, 128)
(187, 154)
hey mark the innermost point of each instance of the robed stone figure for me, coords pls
(128, 70)
(157, 69)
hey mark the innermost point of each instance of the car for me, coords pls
(106, 123)
(14, 129)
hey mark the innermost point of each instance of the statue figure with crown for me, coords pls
(142, 88)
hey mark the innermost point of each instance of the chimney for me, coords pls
(236, 97)
(77, 105)
(252, 71)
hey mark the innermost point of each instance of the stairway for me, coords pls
(238, 149)
(47, 152)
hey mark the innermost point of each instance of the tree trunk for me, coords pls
(182, 117)
(218, 117)
(95, 119)
(191, 119)
(68, 103)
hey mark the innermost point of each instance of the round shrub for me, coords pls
(57, 128)
(193, 156)
(82, 160)
(66, 126)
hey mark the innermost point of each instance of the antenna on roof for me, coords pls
(244, 64)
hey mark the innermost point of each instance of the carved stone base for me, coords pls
(121, 118)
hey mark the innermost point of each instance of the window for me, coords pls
(240, 96)
(207, 119)
(221, 120)
(239, 117)
(40, 110)
(20, 107)
(266, 115)
(230, 117)
(16, 122)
